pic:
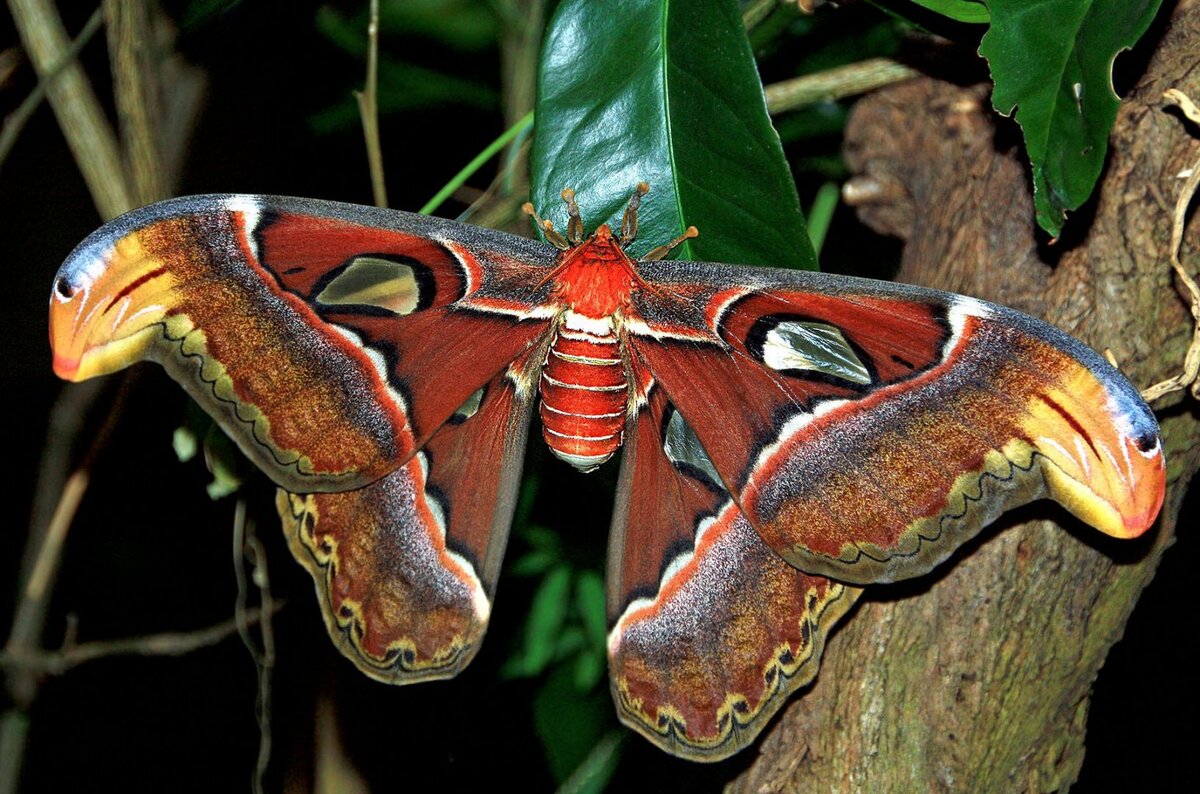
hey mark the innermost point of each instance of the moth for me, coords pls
(786, 436)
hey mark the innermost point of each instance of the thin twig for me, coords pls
(756, 12)
(843, 81)
(368, 110)
(470, 168)
(333, 769)
(43, 559)
(1176, 97)
(17, 120)
(135, 89)
(34, 596)
(1191, 361)
(248, 549)
(40, 568)
(11, 59)
(80, 116)
(168, 643)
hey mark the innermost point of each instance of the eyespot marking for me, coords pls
(374, 281)
(813, 346)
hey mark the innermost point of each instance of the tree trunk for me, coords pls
(977, 678)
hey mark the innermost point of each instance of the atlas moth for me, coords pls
(786, 436)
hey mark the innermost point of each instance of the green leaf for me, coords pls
(185, 444)
(546, 615)
(820, 215)
(222, 458)
(542, 538)
(666, 93)
(594, 771)
(959, 10)
(569, 642)
(569, 724)
(532, 563)
(590, 604)
(462, 24)
(589, 670)
(1051, 61)
(405, 86)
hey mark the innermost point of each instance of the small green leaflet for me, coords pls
(959, 10)
(1051, 61)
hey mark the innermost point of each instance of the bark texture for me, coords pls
(977, 678)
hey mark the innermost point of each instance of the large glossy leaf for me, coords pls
(667, 93)
(1051, 61)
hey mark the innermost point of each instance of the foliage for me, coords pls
(958, 10)
(669, 96)
(1052, 63)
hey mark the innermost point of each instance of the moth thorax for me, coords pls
(584, 392)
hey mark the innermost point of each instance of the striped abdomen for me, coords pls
(584, 393)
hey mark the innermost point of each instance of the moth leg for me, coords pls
(574, 220)
(552, 236)
(629, 221)
(663, 250)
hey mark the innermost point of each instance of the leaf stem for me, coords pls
(470, 168)
(821, 213)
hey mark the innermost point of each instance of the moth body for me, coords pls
(584, 382)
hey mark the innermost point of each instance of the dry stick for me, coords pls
(95, 150)
(844, 81)
(17, 120)
(80, 116)
(167, 643)
(333, 771)
(1191, 362)
(33, 600)
(756, 12)
(522, 23)
(11, 59)
(247, 548)
(136, 93)
(368, 110)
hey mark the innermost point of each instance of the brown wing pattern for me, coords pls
(307, 329)
(711, 630)
(406, 567)
(868, 429)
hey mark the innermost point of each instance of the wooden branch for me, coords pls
(844, 81)
(1191, 361)
(978, 677)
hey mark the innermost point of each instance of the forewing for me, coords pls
(406, 567)
(711, 631)
(330, 341)
(867, 429)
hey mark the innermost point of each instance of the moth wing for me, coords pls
(405, 568)
(329, 340)
(711, 631)
(867, 429)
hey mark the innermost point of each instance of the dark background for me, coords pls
(150, 552)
